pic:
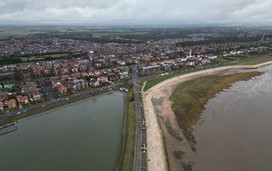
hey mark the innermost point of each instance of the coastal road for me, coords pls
(140, 139)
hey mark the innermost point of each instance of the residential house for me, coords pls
(76, 75)
(22, 99)
(1, 107)
(79, 84)
(166, 67)
(29, 89)
(65, 77)
(11, 103)
(61, 88)
(112, 77)
(123, 75)
(103, 79)
(4, 95)
(83, 74)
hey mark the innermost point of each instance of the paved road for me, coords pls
(140, 140)
(48, 93)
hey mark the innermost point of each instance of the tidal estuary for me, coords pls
(234, 132)
(81, 136)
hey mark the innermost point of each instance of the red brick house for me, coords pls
(76, 75)
(103, 79)
(65, 77)
(11, 103)
(22, 99)
(83, 74)
(1, 107)
(61, 88)
(97, 72)
(123, 75)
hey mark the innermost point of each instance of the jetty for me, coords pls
(8, 128)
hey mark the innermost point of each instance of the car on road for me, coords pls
(67, 98)
(25, 111)
(18, 113)
(43, 105)
(143, 127)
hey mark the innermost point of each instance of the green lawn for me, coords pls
(155, 81)
(153, 73)
(39, 58)
(247, 59)
(84, 89)
(127, 152)
(57, 94)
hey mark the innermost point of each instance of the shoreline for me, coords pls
(174, 143)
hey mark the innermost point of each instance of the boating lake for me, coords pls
(81, 136)
(234, 132)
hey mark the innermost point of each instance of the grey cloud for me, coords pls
(138, 11)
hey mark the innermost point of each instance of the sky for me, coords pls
(135, 11)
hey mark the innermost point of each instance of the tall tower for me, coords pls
(190, 55)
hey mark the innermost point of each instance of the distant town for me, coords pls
(37, 67)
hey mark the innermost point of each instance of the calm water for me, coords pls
(234, 133)
(83, 136)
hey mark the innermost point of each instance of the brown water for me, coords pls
(234, 132)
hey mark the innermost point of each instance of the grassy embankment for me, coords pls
(190, 97)
(46, 108)
(247, 59)
(155, 73)
(126, 153)
(155, 81)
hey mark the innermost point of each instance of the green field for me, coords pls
(190, 97)
(247, 59)
(154, 73)
(155, 81)
(128, 145)
(40, 58)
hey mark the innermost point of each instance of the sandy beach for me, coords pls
(159, 114)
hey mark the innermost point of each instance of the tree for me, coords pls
(18, 75)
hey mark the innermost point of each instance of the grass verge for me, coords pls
(126, 153)
(155, 81)
(154, 73)
(190, 97)
(248, 59)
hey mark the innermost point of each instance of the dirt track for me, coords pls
(157, 108)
